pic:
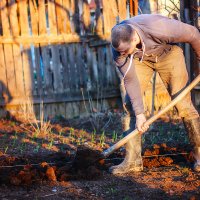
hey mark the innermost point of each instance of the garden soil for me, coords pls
(53, 166)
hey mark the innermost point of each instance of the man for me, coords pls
(140, 46)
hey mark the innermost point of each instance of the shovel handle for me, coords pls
(153, 118)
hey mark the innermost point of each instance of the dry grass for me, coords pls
(38, 127)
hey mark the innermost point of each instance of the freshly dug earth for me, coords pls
(56, 166)
(86, 157)
(17, 170)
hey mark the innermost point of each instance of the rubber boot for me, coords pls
(133, 159)
(193, 129)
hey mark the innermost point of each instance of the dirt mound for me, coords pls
(86, 164)
(55, 167)
(163, 155)
(86, 157)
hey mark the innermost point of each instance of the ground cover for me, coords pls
(38, 165)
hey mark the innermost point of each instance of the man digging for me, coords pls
(140, 46)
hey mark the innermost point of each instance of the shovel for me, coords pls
(85, 155)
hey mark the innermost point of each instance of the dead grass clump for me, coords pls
(36, 127)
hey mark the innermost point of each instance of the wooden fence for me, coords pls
(57, 50)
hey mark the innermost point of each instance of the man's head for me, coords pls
(124, 39)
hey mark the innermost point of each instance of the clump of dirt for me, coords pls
(86, 157)
(157, 162)
(163, 155)
(50, 173)
(57, 167)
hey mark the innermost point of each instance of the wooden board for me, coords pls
(42, 17)
(75, 17)
(106, 19)
(86, 17)
(56, 69)
(122, 9)
(113, 13)
(8, 51)
(26, 50)
(59, 15)
(14, 24)
(47, 73)
(95, 74)
(66, 16)
(43, 70)
(52, 17)
(18, 70)
(3, 79)
(73, 79)
(99, 19)
(34, 17)
(65, 66)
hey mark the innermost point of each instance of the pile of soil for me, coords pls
(85, 165)
(55, 167)
(163, 155)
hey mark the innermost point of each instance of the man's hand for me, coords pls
(140, 120)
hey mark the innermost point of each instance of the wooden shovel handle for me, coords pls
(153, 118)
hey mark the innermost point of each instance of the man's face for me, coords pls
(126, 48)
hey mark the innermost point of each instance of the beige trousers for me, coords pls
(173, 72)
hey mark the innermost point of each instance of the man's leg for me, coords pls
(133, 158)
(173, 72)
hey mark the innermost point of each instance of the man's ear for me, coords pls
(134, 38)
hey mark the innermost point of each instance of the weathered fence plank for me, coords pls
(34, 17)
(3, 80)
(75, 16)
(99, 18)
(95, 74)
(122, 9)
(26, 52)
(57, 84)
(59, 16)
(42, 17)
(18, 70)
(106, 17)
(14, 24)
(89, 66)
(65, 65)
(101, 66)
(8, 52)
(47, 73)
(73, 78)
(66, 16)
(56, 69)
(81, 66)
(45, 85)
(4, 18)
(109, 77)
(52, 17)
(86, 16)
(34, 14)
(113, 14)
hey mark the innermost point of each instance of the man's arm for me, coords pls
(174, 31)
(130, 80)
